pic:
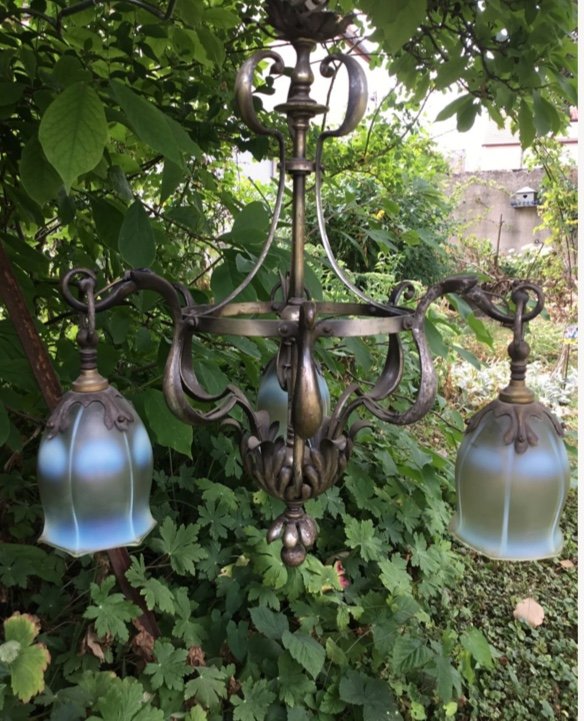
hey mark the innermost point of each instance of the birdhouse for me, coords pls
(524, 198)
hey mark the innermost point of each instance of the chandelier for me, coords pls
(95, 459)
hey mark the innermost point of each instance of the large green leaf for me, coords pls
(136, 240)
(269, 623)
(26, 663)
(306, 650)
(153, 127)
(40, 179)
(168, 429)
(73, 132)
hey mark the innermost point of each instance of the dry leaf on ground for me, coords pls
(530, 611)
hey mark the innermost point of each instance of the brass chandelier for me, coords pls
(95, 459)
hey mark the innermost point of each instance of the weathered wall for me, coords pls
(484, 199)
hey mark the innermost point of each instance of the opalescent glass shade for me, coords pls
(509, 503)
(274, 399)
(95, 482)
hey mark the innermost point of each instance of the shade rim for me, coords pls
(513, 559)
(79, 553)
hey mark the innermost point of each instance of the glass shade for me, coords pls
(509, 502)
(274, 399)
(95, 482)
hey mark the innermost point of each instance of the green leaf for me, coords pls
(125, 700)
(180, 544)
(110, 613)
(22, 628)
(403, 19)
(434, 338)
(361, 534)
(526, 125)
(477, 645)
(170, 666)
(256, 700)
(167, 428)
(306, 650)
(448, 681)
(210, 687)
(295, 685)
(372, 694)
(335, 653)
(409, 653)
(4, 424)
(136, 240)
(545, 116)
(480, 330)
(467, 356)
(394, 575)
(250, 226)
(186, 628)
(466, 114)
(269, 623)
(27, 672)
(26, 663)
(172, 176)
(454, 107)
(153, 127)
(73, 132)
(18, 562)
(108, 219)
(38, 176)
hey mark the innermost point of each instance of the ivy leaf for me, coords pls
(180, 544)
(170, 666)
(361, 534)
(270, 624)
(73, 132)
(26, 662)
(136, 240)
(110, 613)
(256, 700)
(210, 687)
(305, 650)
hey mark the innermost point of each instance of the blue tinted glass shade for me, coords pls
(274, 399)
(95, 482)
(509, 503)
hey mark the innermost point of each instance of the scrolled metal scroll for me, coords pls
(357, 101)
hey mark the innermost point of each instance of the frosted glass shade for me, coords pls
(274, 399)
(95, 482)
(509, 502)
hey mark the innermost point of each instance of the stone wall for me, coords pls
(483, 207)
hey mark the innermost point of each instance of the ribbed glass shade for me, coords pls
(95, 482)
(274, 399)
(509, 502)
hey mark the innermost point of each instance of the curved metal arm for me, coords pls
(355, 109)
(357, 102)
(479, 298)
(244, 98)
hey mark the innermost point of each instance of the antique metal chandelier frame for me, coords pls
(311, 454)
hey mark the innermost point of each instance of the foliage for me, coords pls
(116, 121)
(365, 177)
(511, 59)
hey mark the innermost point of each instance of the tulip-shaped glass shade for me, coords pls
(274, 399)
(95, 480)
(512, 478)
